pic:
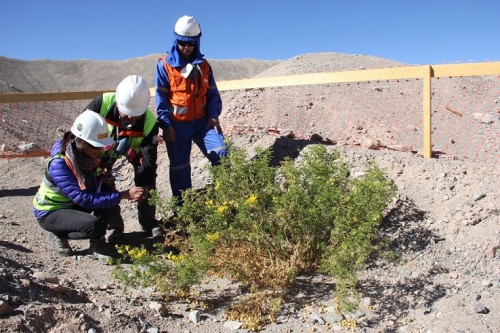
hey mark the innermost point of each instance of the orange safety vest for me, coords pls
(188, 96)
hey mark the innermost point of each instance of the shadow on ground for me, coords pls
(286, 147)
(19, 192)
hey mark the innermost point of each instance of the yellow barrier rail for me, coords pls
(424, 72)
(50, 96)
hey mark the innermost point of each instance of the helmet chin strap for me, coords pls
(125, 125)
(186, 70)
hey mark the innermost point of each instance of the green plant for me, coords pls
(263, 225)
(356, 223)
(147, 269)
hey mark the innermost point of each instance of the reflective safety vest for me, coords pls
(135, 137)
(50, 197)
(188, 96)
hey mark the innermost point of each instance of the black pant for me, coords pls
(79, 224)
(145, 212)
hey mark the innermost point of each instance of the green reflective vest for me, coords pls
(108, 100)
(50, 197)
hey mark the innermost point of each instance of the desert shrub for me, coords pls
(355, 228)
(262, 225)
(255, 310)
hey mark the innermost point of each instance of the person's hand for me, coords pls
(169, 134)
(135, 194)
(214, 122)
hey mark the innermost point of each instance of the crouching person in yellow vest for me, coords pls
(134, 128)
(73, 201)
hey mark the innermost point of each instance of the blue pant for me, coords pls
(208, 140)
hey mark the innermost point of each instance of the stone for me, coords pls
(5, 308)
(195, 316)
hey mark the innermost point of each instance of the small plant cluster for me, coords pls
(256, 310)
(150, 268)
(263, 226)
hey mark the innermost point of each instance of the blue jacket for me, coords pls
(62, 177)
(174, 59)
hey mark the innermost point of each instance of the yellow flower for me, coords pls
(348, 323)
(137, 253)
(213, 237)
(251, 200)
(175, 258)
(120, 249)
(141, 254)
(224, 208)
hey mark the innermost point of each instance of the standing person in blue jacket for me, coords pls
(134, 127)
(74, 201)
(188, 104)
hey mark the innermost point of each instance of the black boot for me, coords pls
(116, 235)
(147, 219)
(113, 218)
(100, 250)
(61, 245)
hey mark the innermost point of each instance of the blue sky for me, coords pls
(409, 31)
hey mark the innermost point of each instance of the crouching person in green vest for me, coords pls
(134, 128)
(74, 201)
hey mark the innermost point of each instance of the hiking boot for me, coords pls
(157, 232)
(154, 232)
(61, 245)
(100, 250)
(116, 236)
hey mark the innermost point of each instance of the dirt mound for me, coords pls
(327, 62)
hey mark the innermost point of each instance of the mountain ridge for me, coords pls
(87, 75)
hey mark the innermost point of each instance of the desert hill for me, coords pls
(327, 62)
(84, 75)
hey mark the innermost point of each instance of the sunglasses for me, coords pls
(183, 43)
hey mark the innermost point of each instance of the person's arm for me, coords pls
(66, 181)
(95, 104)
(214, 101)
(162, 96)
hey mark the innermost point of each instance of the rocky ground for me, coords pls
(444, 222)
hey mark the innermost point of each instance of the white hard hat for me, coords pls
(187, 26)
(91, 127)
(132, 96)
